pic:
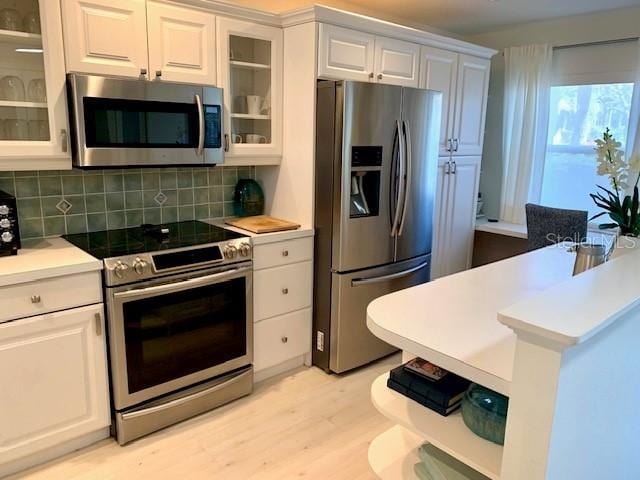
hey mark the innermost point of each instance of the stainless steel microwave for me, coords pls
(120, 122)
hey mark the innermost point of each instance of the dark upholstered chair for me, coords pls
(546, 226)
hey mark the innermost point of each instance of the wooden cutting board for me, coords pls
(262, 224)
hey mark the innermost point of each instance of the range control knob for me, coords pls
(230, 252)
(4, 210)
(244, 249)
(120, 268)
(5, 223)
(6, 237)
(139, 265)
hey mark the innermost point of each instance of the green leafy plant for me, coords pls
(622, 208)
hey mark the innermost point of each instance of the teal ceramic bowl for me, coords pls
(485, 413)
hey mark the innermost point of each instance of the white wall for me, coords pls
(609, 25)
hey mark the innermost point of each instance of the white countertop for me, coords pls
(576, 310)
(501, 228)
(453, 321)
(45, 258)
(262, 238)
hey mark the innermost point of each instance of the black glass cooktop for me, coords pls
(130, 241)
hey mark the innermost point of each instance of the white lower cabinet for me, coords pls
(455, 214)
(279, 339)
(53, 372)
(282, 299)
(282, 289)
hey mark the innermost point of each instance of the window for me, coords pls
(579, 114)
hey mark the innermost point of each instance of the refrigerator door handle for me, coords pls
(357, 282)
(407, 190)
(401, 183)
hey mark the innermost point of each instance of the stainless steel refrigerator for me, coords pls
(376, 169)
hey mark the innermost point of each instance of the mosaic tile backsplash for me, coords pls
(52, 203)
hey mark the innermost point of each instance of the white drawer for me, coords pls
(282, 289)
(50, 295)
(282, 253)
(281, 338)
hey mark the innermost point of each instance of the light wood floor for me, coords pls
(304, 424)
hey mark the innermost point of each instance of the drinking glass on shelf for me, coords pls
(32, 23)
(12, 88)
(16, 129)
(37, 90)
(10, 19)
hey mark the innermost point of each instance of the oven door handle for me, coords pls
(200, 149)
(181, 285)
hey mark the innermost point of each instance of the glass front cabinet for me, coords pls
(33, 110)
(250, 72)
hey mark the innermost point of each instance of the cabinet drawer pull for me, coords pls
(98, 319)
(64, 141)
(36, 299)
(143, 72)
(158, 73)
(285, 253)
(284, 339)
(370, 74)
(285, 291)
(379, 76)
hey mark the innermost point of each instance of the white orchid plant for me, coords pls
(623, 209)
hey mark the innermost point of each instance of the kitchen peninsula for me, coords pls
(562, 349)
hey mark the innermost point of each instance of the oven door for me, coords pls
(171, 333)
(119, 122)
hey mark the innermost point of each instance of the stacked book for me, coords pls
(429, 385)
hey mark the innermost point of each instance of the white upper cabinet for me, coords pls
(181, 44)
(33, 106)
(439, 71)
(106, 37)
(345, 54)
(53, 372)
(250, 72)
(464, 83)
(471, 105)
(397, 62)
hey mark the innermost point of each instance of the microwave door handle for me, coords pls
(385, 278)
(146, 292)
(200, 149)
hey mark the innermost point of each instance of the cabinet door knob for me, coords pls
(158, 73)
(285, 291)
(379, 76)
(284, 339)
(35, 299)
(98, 319)
(143, 72)
(64, 141)
(370, 74)
(285, 253)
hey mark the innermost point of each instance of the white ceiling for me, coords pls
(463, 17)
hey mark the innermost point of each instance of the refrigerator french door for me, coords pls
(376, 169)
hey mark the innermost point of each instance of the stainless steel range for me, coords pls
(180, 320)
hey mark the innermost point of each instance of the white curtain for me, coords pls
(633, 135)
(526, 117)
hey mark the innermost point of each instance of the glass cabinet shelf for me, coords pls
(250, 116)
(21, 38)
(249, 65)
(10, 103)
